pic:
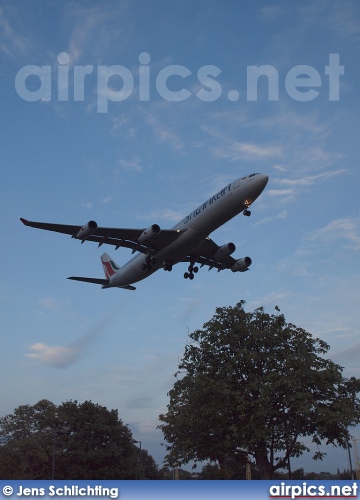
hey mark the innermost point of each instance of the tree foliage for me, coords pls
(251, 384)
(69, 441)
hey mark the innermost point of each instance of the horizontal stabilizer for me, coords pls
(127, 287)
(99, 281)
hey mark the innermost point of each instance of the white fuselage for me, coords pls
(213, 213)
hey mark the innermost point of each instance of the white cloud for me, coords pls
(50, 304)
(309, 180)
(291, 188)
(236, 150)
(249, 151)
(167, 214)
(11, 42)
(281, 195)
(269, 301)
(281, 215)
(106, 200)
(280, 192)
(344, 18)
(163, 134)
(91, 29)
(58, 356)
(271, 13)
(55, 356)
(130, 165)
(343, 231)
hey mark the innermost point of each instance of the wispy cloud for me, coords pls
(249, 151)
(133, 165)
(271, 13)
(344, 232)
(49, 304)
(344, 18)
(234, 150)
(58, 356)
(292, 185)
(281, 215)
(339, 235)
(167, 214)
(280, 192)
(55, 356)
(274, 299)
(190, 305)
(91, 29)
(348, 357)
(309, 180)
(12, 43)
(163, 133)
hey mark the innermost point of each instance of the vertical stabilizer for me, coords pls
(109, 265)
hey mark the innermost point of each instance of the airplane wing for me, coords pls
(205, 256)
(137, 239)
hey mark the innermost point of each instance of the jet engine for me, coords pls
(87, 230)
(149, 233)
(224, 251)
(241, 264)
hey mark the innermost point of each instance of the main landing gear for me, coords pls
(149, 261)
(247, 212)
(192, 270)
(167, 265)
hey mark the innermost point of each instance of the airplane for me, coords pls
(156, 248)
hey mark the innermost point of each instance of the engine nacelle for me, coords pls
(87, 230)
(149, 233)
(241, 264)
(224, 251)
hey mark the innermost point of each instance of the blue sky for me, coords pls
(131, 150)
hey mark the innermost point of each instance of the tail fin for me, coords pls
(109, 265)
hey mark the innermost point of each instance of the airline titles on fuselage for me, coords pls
(208, 202)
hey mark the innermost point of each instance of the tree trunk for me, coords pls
(225, 473)
(262, 463)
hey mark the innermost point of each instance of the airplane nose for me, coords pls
(257, 186)
(261, 181)
(264, 180)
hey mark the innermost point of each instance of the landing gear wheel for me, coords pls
(247, 213)
(167, 265)
(191, 272)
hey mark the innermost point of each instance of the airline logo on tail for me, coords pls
(110, 267)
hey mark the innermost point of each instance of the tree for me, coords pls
(69, 441)
(251, 384)
(149, 468)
